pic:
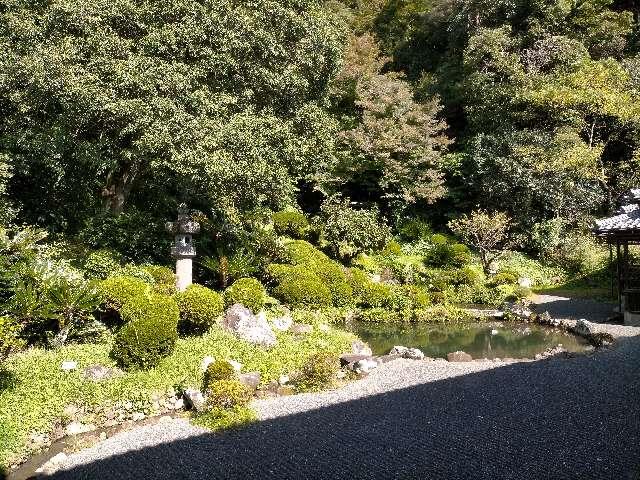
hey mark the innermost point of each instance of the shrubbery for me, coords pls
(346, 232)
(444, 254)
(199, 308)
(299, 287)
(226, 394)
(103, 263)
(10, 341)
(116, 291)
(164, 280)
(318, 372)
(149, 333)
(216, 371)
(247, 291)
(291, 224)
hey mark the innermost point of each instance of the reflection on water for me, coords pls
(478, 340)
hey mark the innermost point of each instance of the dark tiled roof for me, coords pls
(627, 219)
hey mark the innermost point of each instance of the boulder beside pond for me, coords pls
(405, 352)
(249, 327)
(459, 356)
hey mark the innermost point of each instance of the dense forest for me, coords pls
(113, 113)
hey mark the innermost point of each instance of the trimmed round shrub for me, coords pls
(199, 307)
(149, 334)
(460, 255)
(247, 291)
(164, 280)
(136, 271)
(300, 252)
(116, 291)
(376, 295)
(318, 372)
(358, 281)
(446, 255)
(102, 264)
(334, 277)
(228, 394)
(290, 224)
(216, 371)
(299, 287)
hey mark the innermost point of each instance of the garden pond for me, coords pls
(482, 340)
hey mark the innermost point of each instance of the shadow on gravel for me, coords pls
(558, 419)
(575, 308)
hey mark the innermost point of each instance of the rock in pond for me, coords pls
(459, 356)
(249, 327)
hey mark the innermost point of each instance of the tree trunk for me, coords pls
(118, 187)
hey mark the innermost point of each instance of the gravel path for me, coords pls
(574, 308)
(554, 419)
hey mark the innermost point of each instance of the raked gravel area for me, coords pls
(576, 418)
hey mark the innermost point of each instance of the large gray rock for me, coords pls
(251, 379)
(459, 356)
(283, 323)
(249, 327)
(349, 358)
(97, 373)
(194, 399)
(583, 328)
(405, 352)
(365, 365)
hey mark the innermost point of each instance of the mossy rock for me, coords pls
(318, 372)
(216, 371)
(228, 394)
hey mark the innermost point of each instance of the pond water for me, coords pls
(496, 340)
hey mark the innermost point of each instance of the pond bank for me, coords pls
(391, 397)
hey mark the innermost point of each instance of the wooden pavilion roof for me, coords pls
(625, 224)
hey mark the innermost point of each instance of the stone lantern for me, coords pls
(183, 249)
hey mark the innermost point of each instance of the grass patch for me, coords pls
(39, 390)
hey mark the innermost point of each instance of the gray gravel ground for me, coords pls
(574, 308)
(573, 418)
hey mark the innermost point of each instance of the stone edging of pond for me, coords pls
(362, 362)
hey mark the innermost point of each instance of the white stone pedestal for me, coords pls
(184, 275)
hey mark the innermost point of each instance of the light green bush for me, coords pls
(503, 278)
(217, 419)
(380, 315)
(378, 295)
(216, 371)
(318, 372)
(116, 291)
(227, 394)
(297, 286)
(164, 280)
(103, 263)
(149, 333)
(248, 292)
(290, 224)
(414, 229)
(199, 308)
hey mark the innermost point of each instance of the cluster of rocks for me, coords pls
(361, 360)
(256, 329)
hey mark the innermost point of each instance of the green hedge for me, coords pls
(297, 286)
(247, 291)
(150, 331)
(199, 308)
(290, 224)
